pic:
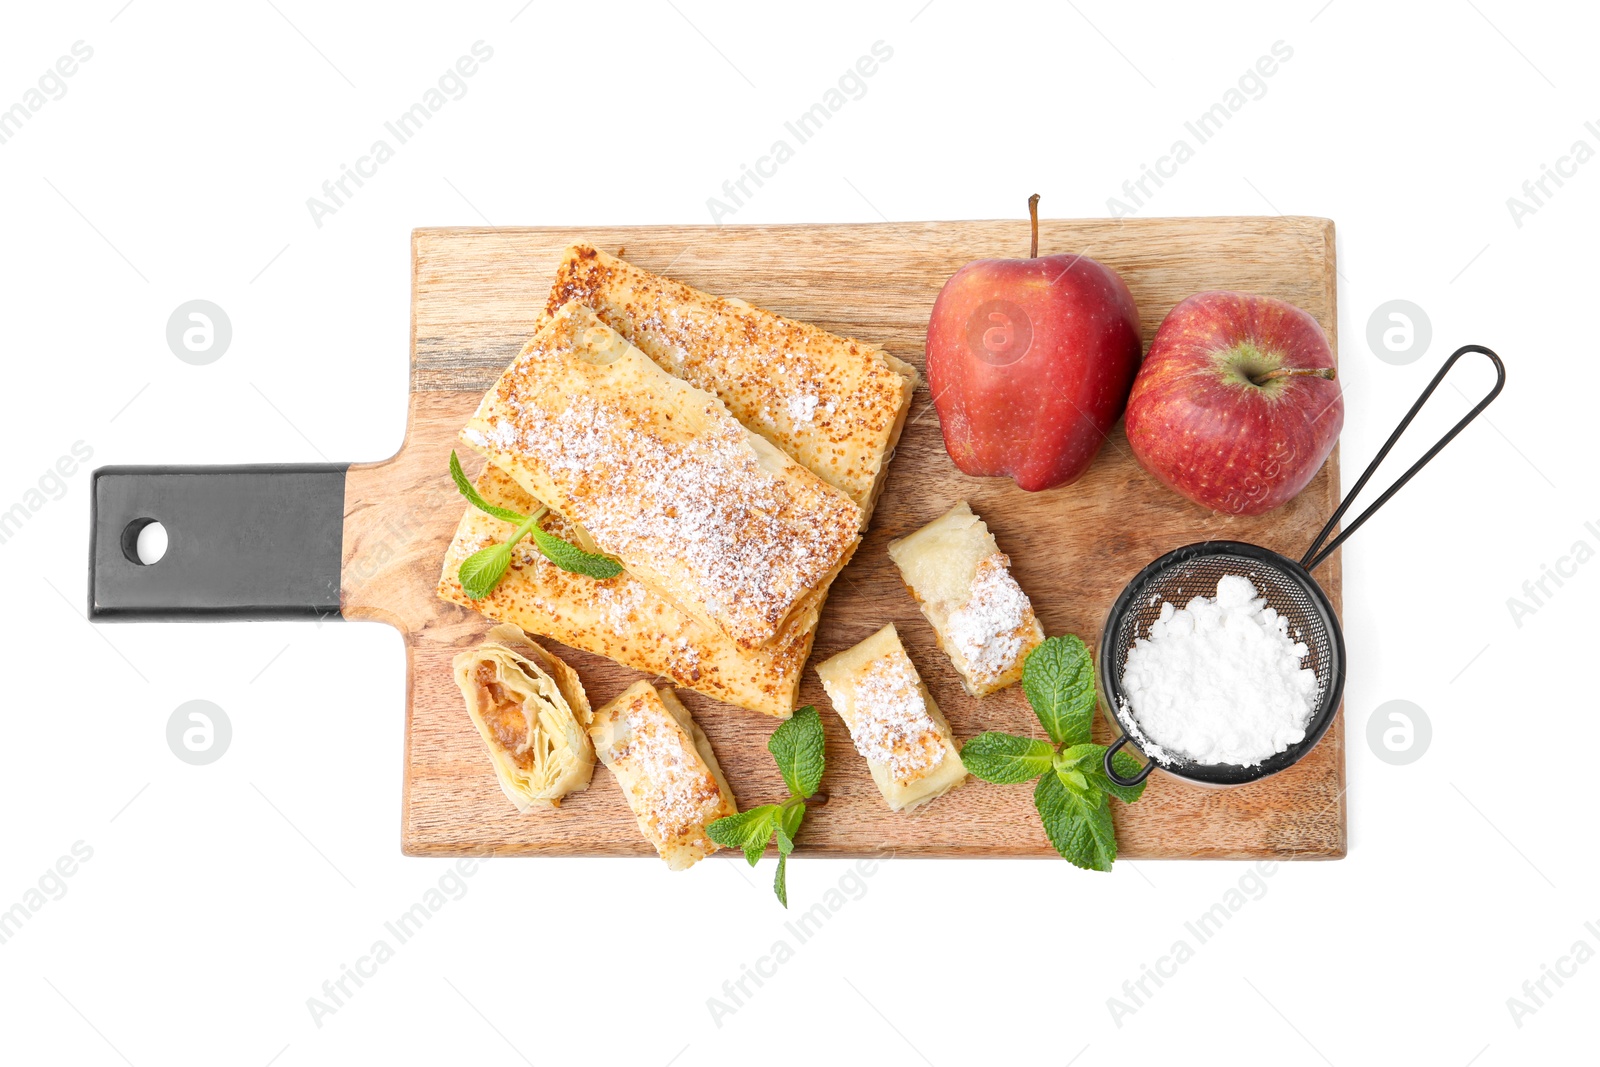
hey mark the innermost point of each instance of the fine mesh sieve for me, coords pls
(1287, 587)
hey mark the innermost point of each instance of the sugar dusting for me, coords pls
(621, 608)
(802, 408)
(993, 627)
(683, 796)
(892, 725)
(621, 618)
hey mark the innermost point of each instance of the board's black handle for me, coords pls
(247, 542)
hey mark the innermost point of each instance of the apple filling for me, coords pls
(530, 710)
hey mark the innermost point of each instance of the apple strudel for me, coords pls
(962, 582)
(621, 618)
(665, 766)
(893, 721)
(657, 473)
(836, 405)
(531, 711)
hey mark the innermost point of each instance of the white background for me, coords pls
(219, 898)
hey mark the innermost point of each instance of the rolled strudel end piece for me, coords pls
(962, 582)
(893, 720)
(531, 711)
(667, 770)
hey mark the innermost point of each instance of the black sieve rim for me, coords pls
(1121, 629)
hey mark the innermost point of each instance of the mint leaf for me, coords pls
(780, 884)
(789, 820)
(1006, 758)
(1058, 679)
(788, 825)
(748, 830)
(477, 501)
(1078, 823)
(1072, 795)
(569, 557)
(798, 748)
(482, 570)
(1073, 780)
(1089, 762)
(564, 554)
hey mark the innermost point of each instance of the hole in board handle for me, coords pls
(144, 541)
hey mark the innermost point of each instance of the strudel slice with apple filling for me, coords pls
(893, 720)
(963, 584)
(657, 473)
(836, 405)
(531, 711)
(666, 769)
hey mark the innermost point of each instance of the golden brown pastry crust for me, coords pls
(836, 405)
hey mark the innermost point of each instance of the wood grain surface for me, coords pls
(476, 294)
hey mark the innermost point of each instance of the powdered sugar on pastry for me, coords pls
(683, 796)
(621, 617)
(661, 476)
(992, 627)
(836, 405)
(892, 725)
(963, 584)
(802, 408)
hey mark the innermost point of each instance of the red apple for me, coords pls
(1236, 405)
(1030, 362)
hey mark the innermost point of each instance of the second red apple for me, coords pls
(1236, 406)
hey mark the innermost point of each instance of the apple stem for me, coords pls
(1033, 214)
(1293, 372)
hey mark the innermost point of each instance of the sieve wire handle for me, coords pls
(1111, 772)
(1318, 552)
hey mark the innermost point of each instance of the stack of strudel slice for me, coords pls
(728, 457)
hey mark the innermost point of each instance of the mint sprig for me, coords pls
(798, 749)
(1073, 793)
(481, 572)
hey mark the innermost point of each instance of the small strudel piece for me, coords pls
(893, 720)
(666, 769)
(962, 582)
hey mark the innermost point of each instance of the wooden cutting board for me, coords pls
(475, 296)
